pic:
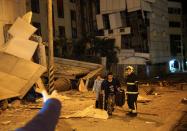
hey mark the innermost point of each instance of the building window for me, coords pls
(74, 33)
(73, 15)
(35, 6)
(60, 8)
(61, 30)
(97, 6)
(38, 26)
(72, 1)
(175, 44)
(126, 42)
(106, 22)
(174, 10)
(174, 24)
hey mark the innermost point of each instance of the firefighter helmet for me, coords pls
(130, 68)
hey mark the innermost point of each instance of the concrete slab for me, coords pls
(21, 29)
(27, 17)
(24, 69)
(11, 83)
(21, 48)
(11, 62)
(17, 75)
(6, 93)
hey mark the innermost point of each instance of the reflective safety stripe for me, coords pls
(128, 92)
(129, 83)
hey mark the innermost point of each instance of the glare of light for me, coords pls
(171, 66)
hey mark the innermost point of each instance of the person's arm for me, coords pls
(135, 79)
(47, 117)
(118, 84)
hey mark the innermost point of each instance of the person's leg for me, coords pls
(96, 104)
(130, 102)
(97, 100)
(134, 100)
(105, 102)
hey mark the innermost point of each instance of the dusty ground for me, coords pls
(162, 113)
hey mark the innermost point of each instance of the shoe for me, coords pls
(134, 114)
(129, 113)
(134, 111)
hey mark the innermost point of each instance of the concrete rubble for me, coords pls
(69, 69)
(184, 100)
(88, 112)
(16, 64)
(143, 99)
(17, 72)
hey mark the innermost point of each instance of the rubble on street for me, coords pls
(78, 112)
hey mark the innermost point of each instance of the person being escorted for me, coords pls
(132, 91)
(97, 89)
(110, 86)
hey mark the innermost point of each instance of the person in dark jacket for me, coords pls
(47, 118)
(132, 90)
(109, 85)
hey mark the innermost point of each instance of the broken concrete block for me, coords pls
(21, 29)
(62, 84)
(5, 122)
(6, 93)
(89, 112)
(16, 104)
(27, 17)
(184, 100)
(18, 76)
(21, 48)
(11, 82)
(142, 99)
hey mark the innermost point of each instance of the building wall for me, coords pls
(158, 32)
(155, 38)
(175, 17)
(9, 11)
(185, 34)
(65, 21)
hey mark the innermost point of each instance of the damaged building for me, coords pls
(141, 29)
(9, 11)
(18, 48)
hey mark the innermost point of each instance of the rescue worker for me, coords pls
(97, 89)
(109, 86)
(132, 91)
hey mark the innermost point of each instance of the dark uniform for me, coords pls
(109, 87)
(132, 90)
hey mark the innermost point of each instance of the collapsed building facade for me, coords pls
(18, 49)
(9, 11)
(134, 26)
(141, 30)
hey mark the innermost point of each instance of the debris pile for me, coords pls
(88, 112)
(17, 72)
